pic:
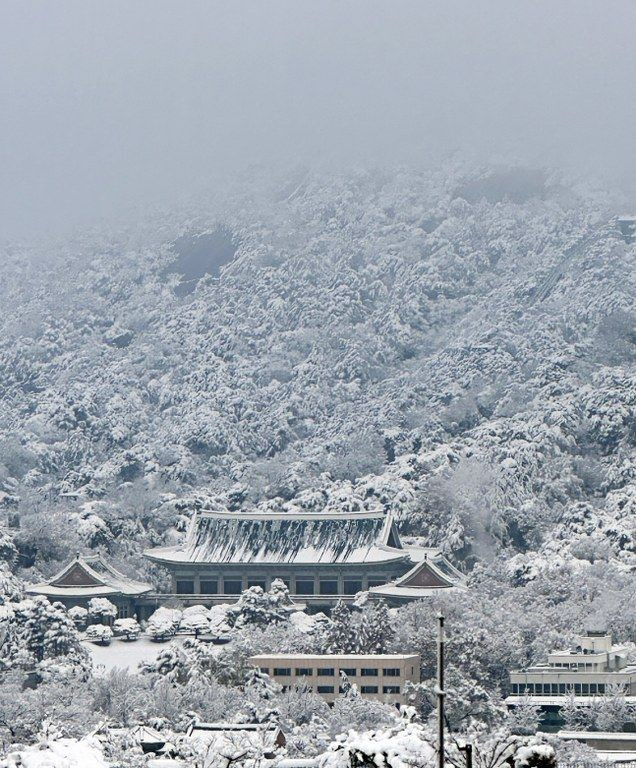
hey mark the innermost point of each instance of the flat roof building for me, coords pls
(377, 676)
(321, 557)
(591, 667)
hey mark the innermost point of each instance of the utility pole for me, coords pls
(467, 749)
(440, 692)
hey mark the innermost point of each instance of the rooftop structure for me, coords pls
(226, 738)
(89, 576)
(424, 579)
(320, 556)
(377, 676)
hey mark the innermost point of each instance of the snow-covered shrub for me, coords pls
(100, 609)
(127, 629)
(195, 620)
(399, 747)
(99, 633)
(160, 629)
(79, 616)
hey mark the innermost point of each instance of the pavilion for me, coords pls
(89, 576)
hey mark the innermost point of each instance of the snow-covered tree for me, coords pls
(101, 610)
(99, 633)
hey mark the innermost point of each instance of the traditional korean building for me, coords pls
(322, 557)
(89, 576)
(426, 578)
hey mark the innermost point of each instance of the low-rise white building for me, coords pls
(589, 668)
(593, 667)
(377, 676)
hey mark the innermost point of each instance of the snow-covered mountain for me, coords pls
(457, 344)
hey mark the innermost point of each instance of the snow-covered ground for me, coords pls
(125, 655)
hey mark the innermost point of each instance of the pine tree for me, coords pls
(261, 684)
(379, 631)
(340, 636)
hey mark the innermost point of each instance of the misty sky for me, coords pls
(108, 106)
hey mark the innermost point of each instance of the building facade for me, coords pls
(321, 557)
(382, 676)
(593, 667)
(89, 576)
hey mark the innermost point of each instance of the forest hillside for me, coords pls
(456, 344)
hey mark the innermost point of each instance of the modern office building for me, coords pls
(589, 668)
(322, 557)
(593, 666)
(381, 676)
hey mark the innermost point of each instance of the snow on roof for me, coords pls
(88, 576)
(284, 538)
(432, 573)
(559, 701)
(598, 735)
(336, 657)
(224, 736)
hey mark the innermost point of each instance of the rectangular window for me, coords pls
(304, 672)
(562, 688)
(391, 672)
(122, 612)
(390, 689)
(577, 689)
(325, 672)
(265, 670)
(601, 687)
(376, 582)
(352, 586)
(522, 687)
(585, 690)
(329, 587)
(304, 586)
(369, 689)
(209, 586)
(592, 688)
(185, 587)
(349, 671)
(325, 689)
(257, 583)
(554, 688)
(528, 687)
(515, 688)
(369, 672)
(282, 672)
(232, 586)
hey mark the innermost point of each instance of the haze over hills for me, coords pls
(456, 344)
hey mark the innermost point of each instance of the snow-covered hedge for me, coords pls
(99, 633)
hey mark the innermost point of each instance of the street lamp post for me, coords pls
(440, 691)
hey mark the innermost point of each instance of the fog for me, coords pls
(107, 107)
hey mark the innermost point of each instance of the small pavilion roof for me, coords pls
(88, 576)
(432, 573)
(287, 538)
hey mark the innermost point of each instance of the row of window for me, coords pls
(573, 665)
(363, 689)
(302, 586)
(330, 671)
(558, 689)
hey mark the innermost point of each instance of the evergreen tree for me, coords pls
(340, 636)
(379, 631)
(261, 684)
